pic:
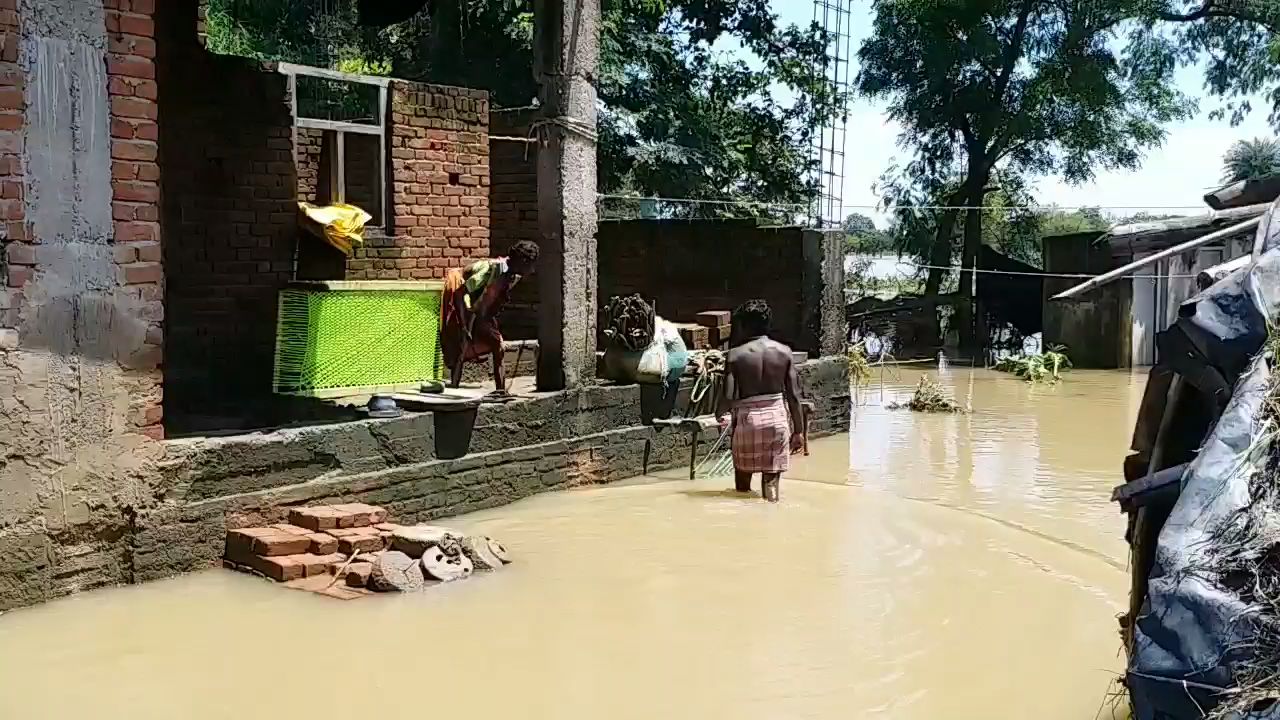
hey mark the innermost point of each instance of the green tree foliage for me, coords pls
(1031, 87)
(678, 118)
(1249, 159)
(1237, 40)
(862, 237)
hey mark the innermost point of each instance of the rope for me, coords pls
(710, 368)
(571, 124)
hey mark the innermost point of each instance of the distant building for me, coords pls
(1115, 326)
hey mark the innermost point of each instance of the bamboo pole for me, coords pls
(1111, 275)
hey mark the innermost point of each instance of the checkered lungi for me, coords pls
(761, 435)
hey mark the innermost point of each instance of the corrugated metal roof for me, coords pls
(1160, 234)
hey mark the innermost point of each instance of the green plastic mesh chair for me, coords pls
(346, 338)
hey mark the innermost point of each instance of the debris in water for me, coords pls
(1045, 367)
(323, 546)
(929, 397)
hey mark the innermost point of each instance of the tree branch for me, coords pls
(1208, 9)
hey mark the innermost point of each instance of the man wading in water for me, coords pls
(473, 297)
(761, 373)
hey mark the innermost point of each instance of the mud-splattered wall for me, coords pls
(80, 343)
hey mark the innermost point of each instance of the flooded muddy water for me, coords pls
(920, 567)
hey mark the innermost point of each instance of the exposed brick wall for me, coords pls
(313, 181)
(19, 256)
(685, 266)
(230, 191)
(440, 185)
(691, 266)
(513, 203)
(135, 177)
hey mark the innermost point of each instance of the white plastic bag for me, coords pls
(652, 367)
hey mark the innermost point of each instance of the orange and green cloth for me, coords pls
(479, 281)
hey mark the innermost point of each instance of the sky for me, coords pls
(1176, 174)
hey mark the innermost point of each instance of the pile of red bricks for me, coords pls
(710, 332)
(316, 541)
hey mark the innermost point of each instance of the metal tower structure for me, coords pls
(828, 145)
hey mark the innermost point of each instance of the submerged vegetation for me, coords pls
(1045, 367)
(929, 397)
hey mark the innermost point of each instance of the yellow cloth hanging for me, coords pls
(342, 226)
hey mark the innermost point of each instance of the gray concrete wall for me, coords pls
(558, 441)
(79, 348)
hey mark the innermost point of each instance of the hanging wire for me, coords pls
(897, 208)
(1075, 276)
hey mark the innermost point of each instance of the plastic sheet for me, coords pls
(1189, 635)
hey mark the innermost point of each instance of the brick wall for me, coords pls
(19, 256)
(230, 190)
(313, 178)
(687, 267)
(513, 208)
(440, 185)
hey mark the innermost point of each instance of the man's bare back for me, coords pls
(756, 370)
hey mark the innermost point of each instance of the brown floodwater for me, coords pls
(920, 567)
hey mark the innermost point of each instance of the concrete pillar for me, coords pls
(566, 54)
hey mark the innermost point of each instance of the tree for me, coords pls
(858, 224)
(861, 236)
(1250, 159)
(1035, 87)
(1237, 40)
(677, 119)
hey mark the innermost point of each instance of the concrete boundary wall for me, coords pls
(555, 442)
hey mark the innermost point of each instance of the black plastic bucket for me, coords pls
(453, 431)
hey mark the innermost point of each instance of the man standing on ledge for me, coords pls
(761, 382)
(473, 297)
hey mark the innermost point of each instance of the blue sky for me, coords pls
(1176, 174)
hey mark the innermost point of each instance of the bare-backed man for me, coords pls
(761, 384)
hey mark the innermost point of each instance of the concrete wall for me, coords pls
(80, 332)
(554, 442)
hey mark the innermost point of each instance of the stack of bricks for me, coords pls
(19, 253)
(135, 183)
(316, 541)
(440, 190)
(709, 331)
(717, 325)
